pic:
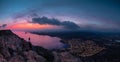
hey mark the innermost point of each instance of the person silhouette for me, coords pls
(29, 39)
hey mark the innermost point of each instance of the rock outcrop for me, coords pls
(16, 49)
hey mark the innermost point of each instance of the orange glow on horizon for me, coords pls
(31, 26)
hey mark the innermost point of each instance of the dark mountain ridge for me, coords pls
(16, 49)
(77, 34)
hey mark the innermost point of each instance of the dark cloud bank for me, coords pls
(65, 24)
(3, 26)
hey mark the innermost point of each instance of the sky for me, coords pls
(98, 15)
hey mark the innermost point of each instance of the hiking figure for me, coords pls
(29, 39)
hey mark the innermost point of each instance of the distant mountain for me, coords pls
(78, 34)
(16, 49)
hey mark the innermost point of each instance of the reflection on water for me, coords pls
(41, 40)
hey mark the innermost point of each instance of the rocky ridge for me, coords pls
(16, 49)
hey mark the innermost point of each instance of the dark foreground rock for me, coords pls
(16, 49)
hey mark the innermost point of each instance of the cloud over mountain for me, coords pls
(65, 24)
(3, 26)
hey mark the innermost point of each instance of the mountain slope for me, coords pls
(16, 49)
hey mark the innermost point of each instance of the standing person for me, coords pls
(29, 39)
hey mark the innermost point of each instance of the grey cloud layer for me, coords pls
(65, 24)
(3, 26)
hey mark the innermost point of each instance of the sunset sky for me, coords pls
(60, 14)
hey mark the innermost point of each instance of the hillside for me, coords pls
(16, 49)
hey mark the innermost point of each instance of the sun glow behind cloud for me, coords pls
(32, 26)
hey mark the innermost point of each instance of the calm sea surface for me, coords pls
(45, 41)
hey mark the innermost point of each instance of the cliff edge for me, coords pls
(15, 49)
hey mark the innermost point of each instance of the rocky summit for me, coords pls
(15, 49)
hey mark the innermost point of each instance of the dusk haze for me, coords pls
(59, 31)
